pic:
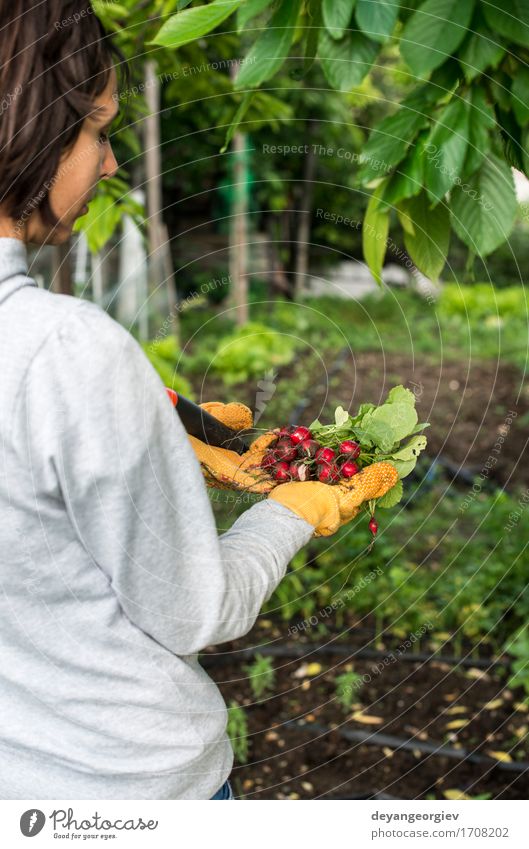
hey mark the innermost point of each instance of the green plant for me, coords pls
(520, 649)
(164, 354)
(252, 350)
(483, 302)
(237, 731)
(261, 675)
(347, 686)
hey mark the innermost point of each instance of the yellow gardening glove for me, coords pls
(225, 469)
(329, 506)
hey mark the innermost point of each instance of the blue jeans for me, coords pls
(225, 792)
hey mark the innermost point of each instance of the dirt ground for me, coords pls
(297, 752)
(469, 406)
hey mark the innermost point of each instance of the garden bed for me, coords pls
(468, 404)
(297, 751)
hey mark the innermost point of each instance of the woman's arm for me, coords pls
(104, 437)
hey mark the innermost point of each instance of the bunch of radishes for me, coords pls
(296, 456)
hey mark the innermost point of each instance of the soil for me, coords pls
(288, 759)
(473, 408)
(470, 407)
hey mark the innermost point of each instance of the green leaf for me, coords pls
(116, 10)
(434, 32)
(250, 9)
(446, 149)
(399, 417)
(191, 24)
(392, 496)
(313, 34)
(428, 244)
(386, 426)
(346, 62)
(484, 209)
(481, 122)
(388, 143)
(520, 95)
(341, 416)
(376, 433)
(377, 18)
(337, 15)
(271, 48)
(511, 136)
(405, 458)
(479, 52)
(525, 152)
(412, 448)
(100, 221)
(509, 19)
(404, 218)
(362, 410)
(237, 118)
(402, 395)
(419, 427)
(375, 230)
(408, 178)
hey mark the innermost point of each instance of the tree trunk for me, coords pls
(238, 239)
(161, 271)
(304, 220)
(239, 233)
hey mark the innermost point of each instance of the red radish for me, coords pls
(308, 448)
(284, 450)
(285, 431)
(349, 469)
(324, 473)
(335, 472)
(325, 455)
(281, 472)
(298, 471)
(373, 525)
(299, 434)
(352, 449)
(327, 473)
(268, 460)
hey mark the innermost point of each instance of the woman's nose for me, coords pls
(110, 164)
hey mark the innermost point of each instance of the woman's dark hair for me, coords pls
(55, 59)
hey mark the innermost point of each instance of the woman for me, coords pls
(114, 577)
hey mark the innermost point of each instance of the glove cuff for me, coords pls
(313, 501)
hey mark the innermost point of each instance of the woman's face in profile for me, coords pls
(89, 160)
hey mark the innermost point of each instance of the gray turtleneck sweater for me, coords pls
(113, 575)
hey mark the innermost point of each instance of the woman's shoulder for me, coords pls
(47, 316)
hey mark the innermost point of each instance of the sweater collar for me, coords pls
(13, 267)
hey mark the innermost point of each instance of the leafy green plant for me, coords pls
(380, 432)
(347, 686)
(261, 675)
(106, 212)
(520, 649)
(250, 351)
(237, 731)
(483, 302)
(164, 354)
